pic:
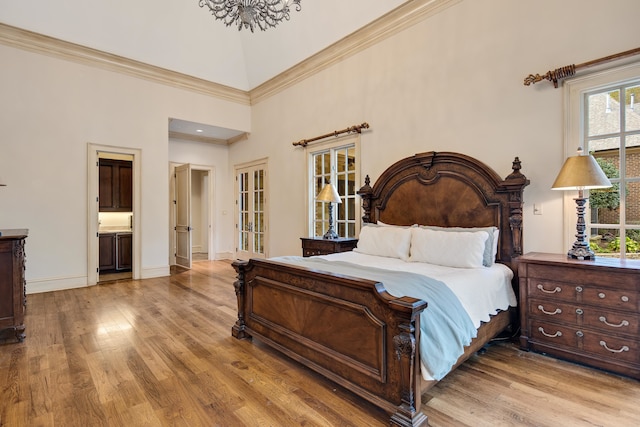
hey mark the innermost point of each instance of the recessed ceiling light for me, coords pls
(199, 130)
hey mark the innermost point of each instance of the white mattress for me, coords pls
(482, 291)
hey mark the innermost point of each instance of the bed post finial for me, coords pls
(515, 184)
(366, 193)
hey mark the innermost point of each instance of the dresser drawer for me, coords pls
(582, 293)
(616, 322)
(587, 341)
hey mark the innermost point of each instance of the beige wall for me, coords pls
(50, 110)
(453, 82)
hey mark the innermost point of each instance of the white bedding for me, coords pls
(482, 291)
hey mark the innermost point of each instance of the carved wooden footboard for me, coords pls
(351, 330)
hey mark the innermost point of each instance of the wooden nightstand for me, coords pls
(583, 311)
(318, 246)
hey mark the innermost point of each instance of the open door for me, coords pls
(183, 215)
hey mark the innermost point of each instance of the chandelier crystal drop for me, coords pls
(251, 13)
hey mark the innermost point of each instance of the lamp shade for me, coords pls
(329, 194)
(581, 173)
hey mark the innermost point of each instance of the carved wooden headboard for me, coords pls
(450, 190)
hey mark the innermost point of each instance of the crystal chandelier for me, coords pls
(251, 13)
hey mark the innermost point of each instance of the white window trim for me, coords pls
(574, 92)
(310, 150)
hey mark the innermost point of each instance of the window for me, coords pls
(335, 163)
(610, 130)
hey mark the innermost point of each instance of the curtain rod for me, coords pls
(570, 70)
(352, 129)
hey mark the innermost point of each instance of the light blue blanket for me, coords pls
(445, 326)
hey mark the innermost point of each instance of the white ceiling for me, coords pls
(181, 36)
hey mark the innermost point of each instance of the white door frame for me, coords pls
(93, 185)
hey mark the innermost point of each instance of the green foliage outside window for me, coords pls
(606, 198)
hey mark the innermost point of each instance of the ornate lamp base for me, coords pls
(581, 249)
(581, 253)
(331, 233)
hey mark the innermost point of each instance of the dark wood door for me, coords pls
(107, 248)
(124, 249)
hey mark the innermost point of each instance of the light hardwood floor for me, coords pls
(159, 352)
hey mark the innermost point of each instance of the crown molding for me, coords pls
(399, 19)
(34, 42)
(198, 138)
(404, 16)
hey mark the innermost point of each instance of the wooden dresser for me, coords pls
(318, 246)
(12, 284)
(583, 311)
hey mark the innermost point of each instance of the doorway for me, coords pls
(191, 233)
(114, 225)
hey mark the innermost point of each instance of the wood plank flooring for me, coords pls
(159, 352)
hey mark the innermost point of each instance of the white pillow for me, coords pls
(491, 245)
(449, 248)
(393, 242)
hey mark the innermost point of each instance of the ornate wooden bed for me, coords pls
(351, 330)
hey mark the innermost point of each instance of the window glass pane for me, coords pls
(598, 145)
(605, 205)
(604, 113)
(341, 211)
(351, 208)
(351, 160)
(632, 110)
(632, 145)
(605, 242)
(632, 203)
(633, 243)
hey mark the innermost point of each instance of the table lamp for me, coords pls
(581, 172)
(329, 194)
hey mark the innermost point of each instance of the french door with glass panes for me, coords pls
(251, 214)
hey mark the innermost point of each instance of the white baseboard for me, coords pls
(61, 283)
(149, 273)
(224, 255)
(55, 284)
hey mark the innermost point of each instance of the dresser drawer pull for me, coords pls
(557, 334)
(624, 348)
(624, 298)
(551, 313)
(579, 311)
(556, 290)
(619, 325)
(601, 295)
(578, 289)
(579, 334)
